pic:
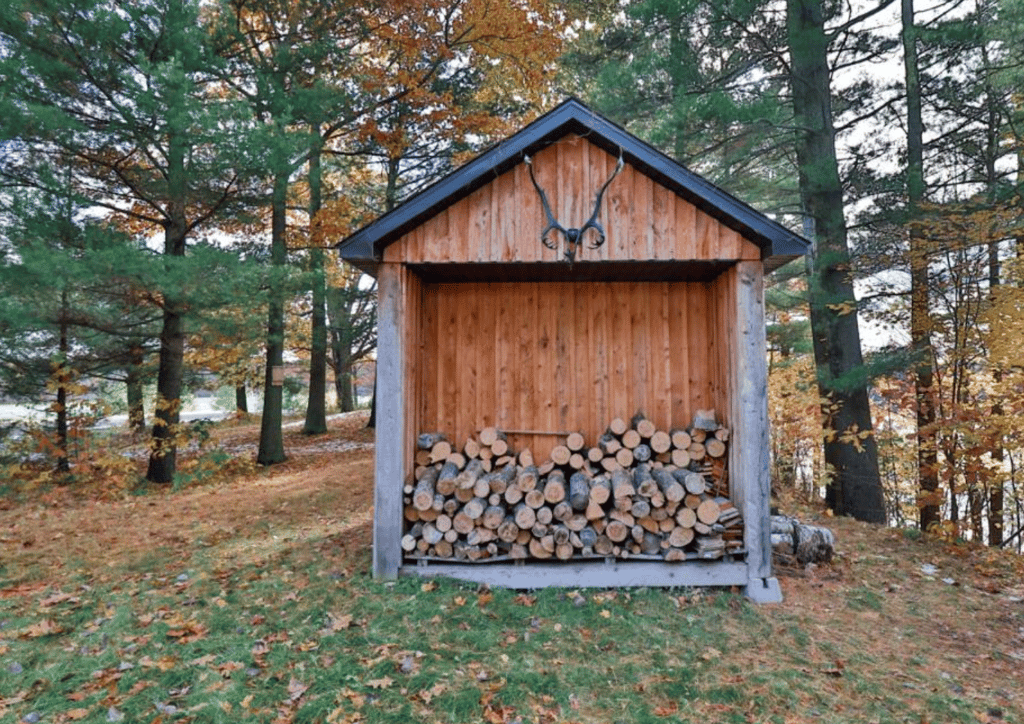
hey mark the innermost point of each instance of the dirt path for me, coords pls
(325, 488)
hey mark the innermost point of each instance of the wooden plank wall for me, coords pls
(501, 222)
(559, 357)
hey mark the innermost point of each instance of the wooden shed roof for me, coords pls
(778, 244)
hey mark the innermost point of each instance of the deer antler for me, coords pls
(552, 223)
(592, 222)
(573, 237)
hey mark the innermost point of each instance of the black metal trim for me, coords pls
(778, 244)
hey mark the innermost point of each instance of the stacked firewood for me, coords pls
(638, 492)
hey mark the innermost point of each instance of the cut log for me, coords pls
(431, 535)
(693, 482)
(408, 543)
(680, 537)
(600, 490)
(562, 511)
(560, 455)
(610, 465)
(680, 458)
(630, 439)
(471, 449)
(622, 485)
(423, 458)
(616, 531)
(462, 523)
(490, 435)
(554, 488)
(617, 426)
(714, 447)
(545, 515)
(609, 444)
(534, 498)
(595, 454)
(697, 451)
(669, 486)
(508, 531)
(493, 516)
(443, 523)
(642, 425)
(604, 545)
(526, 479)
(427, 440)
(546, 468)
(525, 517)
(526, 458)
(624, 457)
(705, 420)
(680, 439)
(643, 482)
(576, 461)
(458, 458)
(579, 491)
(513, 495)
(499, 447)
(440, 451)
(538, 550)
(575, 441)
(446, 479)
(661, 442)
(423, 493)
(641, 508)
(468, 477)
(642, 453)
(686, 517)
(651, 544)
(594, 511)
(708, 511)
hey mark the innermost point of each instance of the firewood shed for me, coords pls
(528, 336)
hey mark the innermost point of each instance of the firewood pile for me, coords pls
(637, 492)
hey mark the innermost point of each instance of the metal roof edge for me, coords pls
(366, 245)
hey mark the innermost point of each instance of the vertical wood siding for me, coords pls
(502, 221)
(560, 357)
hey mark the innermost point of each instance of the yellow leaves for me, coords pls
(381, 683)
(843, 308)
(39, 629)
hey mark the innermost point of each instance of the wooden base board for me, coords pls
(609, 573)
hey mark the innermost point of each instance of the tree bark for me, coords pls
(61, 373)
(135, 397)
(855, 489)
(241, 400)
(316, 405)
(271, 449)
(920, 306)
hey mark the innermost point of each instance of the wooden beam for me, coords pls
(391, 450)
(749, 448)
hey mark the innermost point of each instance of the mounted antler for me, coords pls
(573, 237)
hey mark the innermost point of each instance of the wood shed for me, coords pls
(507, 367)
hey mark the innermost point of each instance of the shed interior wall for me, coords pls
(559, 356)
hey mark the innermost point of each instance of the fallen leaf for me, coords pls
(380, 683)
(76, 714)
(484, 598)
(605, 613)
(46, 627)
(459, 601)
(296, 689)
(340, 623)
(428, 586)
(666, 709)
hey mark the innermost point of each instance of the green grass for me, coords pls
(291, 641)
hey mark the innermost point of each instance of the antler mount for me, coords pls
(573, 237)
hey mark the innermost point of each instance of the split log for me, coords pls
(471, 449)
(427, 440)
(575, 441)
(526, 479)
(669, 486)
(468, 477)
(609, 444)
(622, 485)
(440, 451)
(600, 490)
(525, 517)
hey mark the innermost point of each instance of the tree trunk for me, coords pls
(241, 400)
(163, 457)
(856, 488)
(62, 380)
(920, 307)
(316, 406)
(135, 397)
(271, 449)
(341, 347)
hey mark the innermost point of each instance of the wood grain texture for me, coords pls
(502, 220)
(564, 356)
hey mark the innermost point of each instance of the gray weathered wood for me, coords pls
(391, 452)
(748, 453)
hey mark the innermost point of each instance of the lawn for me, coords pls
(249, 600)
